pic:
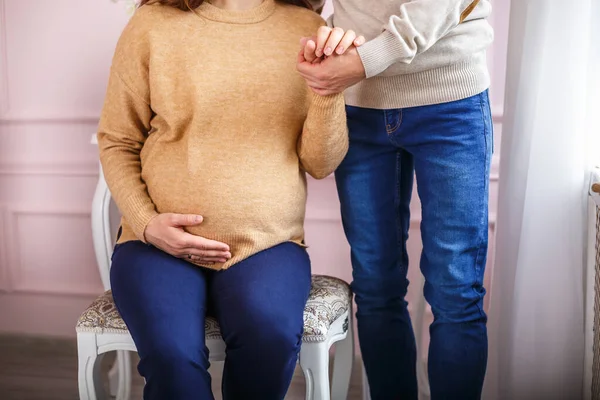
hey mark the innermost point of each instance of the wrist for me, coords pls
(379, 54)
(146, 238)
(358, 70)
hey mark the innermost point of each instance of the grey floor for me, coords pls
(46, 369)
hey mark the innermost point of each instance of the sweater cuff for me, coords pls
(140, 211)
(325, 101)
(326, 106)
(380, 53)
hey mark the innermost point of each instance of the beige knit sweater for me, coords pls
(418, 52)
(205, 114)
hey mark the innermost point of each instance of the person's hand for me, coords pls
(165, 231)
(329, 41)
(333, 74)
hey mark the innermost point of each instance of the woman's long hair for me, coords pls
(186, 5)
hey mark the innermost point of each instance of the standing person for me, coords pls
(417, 103)
(205, 139)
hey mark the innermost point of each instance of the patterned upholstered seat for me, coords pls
(328, 300)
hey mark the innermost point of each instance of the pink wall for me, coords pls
(54, 60)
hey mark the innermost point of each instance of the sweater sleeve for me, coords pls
(416, 26)
(324, 140)
(123, 129)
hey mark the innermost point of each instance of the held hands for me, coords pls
(329, 62)
(165, 231)
(330, 41)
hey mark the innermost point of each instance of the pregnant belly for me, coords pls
(232, 208)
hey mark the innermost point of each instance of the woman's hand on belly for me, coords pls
(165, 231)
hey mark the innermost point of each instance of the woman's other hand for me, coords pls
(165, 231)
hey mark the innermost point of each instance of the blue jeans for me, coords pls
(258, 302)
(448, 147)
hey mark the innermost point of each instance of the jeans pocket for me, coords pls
(393, 120)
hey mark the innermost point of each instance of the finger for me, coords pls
(206, 260)
(335, 37)
(200, 243)
(305, 39)
(307, 71)
(300, 60)
(302, 67)
(196, 259)
(322, 36)
(203, 263)
(207, 253)
(345, 42)
(359, 41)
(315, 84)
(309, 51)
(185, 219)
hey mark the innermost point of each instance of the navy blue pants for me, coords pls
(258, 302)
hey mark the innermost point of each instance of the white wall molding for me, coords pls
(17, 283)
(40, 118)
(5, 284)
(50, 169)
(3, 61)
(94, 117)
(494, 173)
(415, 220)
(327, 217)
(89, 117)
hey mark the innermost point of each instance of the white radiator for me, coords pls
(592, 320)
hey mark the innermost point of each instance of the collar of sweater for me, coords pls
(251, 16)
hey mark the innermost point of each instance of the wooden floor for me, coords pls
(46, 369)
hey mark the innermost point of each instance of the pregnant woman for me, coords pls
(206, 137)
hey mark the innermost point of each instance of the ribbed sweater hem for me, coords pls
(450, 83)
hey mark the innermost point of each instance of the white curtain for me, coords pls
(549, 141)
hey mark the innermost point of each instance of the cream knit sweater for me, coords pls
(418, 52)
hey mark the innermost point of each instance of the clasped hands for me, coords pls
(329, 62)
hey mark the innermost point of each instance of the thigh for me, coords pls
(451, 144)
(161, 298)
(374, 186)
(267, 289)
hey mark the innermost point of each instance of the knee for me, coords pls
(456, 303)
(454, 283)
(283, 340)
(170, 359)
(381, 293)
(276, 333)
(174, 371)
(281, 331)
